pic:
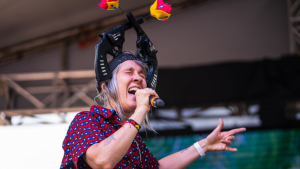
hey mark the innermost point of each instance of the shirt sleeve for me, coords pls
(150, 160)
(83, 132)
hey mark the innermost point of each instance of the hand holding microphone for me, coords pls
(153, 99)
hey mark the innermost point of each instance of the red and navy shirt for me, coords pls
(90, 127)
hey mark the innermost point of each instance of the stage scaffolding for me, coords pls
(58, 91)
(294, 27)
(61, 96)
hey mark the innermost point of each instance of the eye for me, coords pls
(143, 76)
(166, 16)
(112, 5)
(128, 72)
(160, 17)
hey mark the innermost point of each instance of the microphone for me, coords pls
(156, 102)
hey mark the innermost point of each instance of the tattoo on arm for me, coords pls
(108, 140)
(184, 150)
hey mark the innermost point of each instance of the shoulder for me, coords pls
(95, 114)
(83, 118)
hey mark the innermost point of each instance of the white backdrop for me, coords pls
(31, 146)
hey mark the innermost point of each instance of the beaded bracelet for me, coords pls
(134, 123)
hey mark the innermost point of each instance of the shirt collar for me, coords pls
(106, 113)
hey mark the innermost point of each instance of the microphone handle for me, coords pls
(156, 102)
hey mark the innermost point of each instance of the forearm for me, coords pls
(112, 149)
(183, 158)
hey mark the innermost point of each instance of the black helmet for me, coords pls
(112, 44)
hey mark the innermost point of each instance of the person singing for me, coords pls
(107, 136)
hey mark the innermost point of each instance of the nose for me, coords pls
(137, 78)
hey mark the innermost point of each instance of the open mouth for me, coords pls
(132, 90)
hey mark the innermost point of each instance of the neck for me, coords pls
(123, 115)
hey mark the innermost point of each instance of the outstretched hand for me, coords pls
(218, 141)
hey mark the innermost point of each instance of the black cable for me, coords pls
(146, 16)
(122, 10)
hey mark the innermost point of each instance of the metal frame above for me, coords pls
(14, 53)
(294, 25)
(59, 90)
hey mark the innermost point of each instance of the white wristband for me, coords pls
(199, 149)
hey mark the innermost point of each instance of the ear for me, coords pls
(102, 87)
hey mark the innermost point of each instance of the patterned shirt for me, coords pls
(90, 127)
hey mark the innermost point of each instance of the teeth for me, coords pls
(133, 89)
